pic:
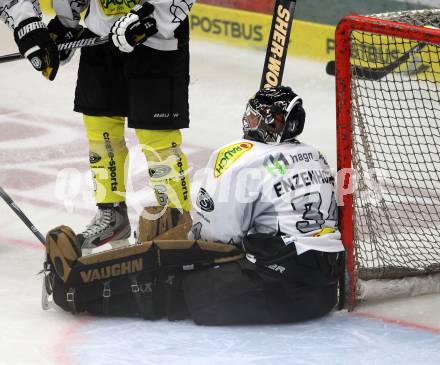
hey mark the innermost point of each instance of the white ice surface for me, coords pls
(336, 339)
(40, 135)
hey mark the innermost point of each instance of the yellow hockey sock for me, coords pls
(108, 157)
(167, 166)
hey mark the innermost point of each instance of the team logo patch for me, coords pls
(204, 201)
(36, 62)
(161, 194)
(94, 157)
(117, 7)
(228, 155)
(276, 164)
(159, 171)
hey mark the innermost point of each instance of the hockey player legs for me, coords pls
(148, 87)
(167, 167)
(108, 162)
(108, 157)
(239, 293)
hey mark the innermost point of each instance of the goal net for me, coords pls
(388, 127)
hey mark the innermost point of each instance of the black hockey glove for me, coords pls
(34, 43)
(133, 28)
(62, 34)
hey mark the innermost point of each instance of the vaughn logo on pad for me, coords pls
(111, 271)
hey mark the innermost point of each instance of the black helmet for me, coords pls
(274, 115)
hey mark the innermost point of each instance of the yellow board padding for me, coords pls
(167, 166)
(108, 157)
(375, 51)
(251, 30)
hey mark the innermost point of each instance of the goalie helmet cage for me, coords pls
(388, 150)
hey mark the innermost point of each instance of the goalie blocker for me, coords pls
(209, 282)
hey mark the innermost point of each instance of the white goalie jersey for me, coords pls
(285, 189)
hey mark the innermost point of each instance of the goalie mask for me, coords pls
(274, 115)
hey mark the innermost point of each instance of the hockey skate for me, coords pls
(46, 290)
(109, 229)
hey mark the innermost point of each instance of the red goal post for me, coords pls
(348, 93)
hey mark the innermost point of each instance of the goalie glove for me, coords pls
(34, 43)
(133, 28)
(62, 34)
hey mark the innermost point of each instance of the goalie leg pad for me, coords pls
(135, 296)
(239, 293)
(62, 249)
(163, 223)
(139, 280)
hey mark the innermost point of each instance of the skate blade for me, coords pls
(106, 247)
(46, 299)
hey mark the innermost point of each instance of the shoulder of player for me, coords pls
(247, 154)
(235, 155)
(289, 149)
(302, 151)
(246, 149)
(256, 151)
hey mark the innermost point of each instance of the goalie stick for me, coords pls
(375, 74)
(279, 36)
(21, 215)
(80, 43)
(46, 289)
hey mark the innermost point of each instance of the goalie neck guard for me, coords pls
(274, 115)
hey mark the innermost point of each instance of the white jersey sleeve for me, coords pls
(285, 189)
(219, 215)
(69, 11)
(13, 12)
(169, 15)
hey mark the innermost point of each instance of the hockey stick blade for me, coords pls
(80, 43)
(278, 43)
(21, 215)
(375, 74)
(330, 69)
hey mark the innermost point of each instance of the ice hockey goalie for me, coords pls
(264, 245)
